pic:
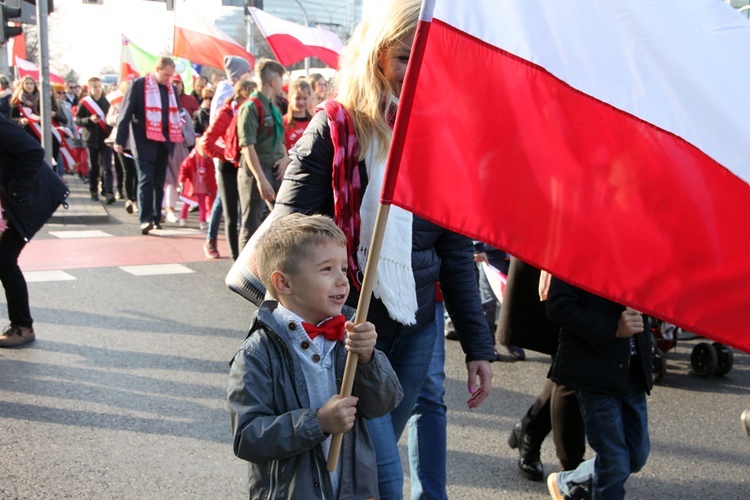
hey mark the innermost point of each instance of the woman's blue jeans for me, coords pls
(410, 356)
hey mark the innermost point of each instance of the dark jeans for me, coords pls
(617, 430)
(254, 208)
(16, 292)
(100, 157)
(230, 200)
(118, 172)
(151, 177)
(130, 176)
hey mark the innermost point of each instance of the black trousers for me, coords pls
(100, 157)
(16, 292)
(130, 176)
(230, 201)
(556, 409)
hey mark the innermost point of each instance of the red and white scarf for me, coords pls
(153, 112)
(66, 151)
(89, 103)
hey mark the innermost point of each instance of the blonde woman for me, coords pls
(337, 169)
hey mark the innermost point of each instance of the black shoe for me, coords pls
(146, 227)
(451, 335)
(516, 352)
(529, 461)
(110, 198)
(94, 197)
(157, 225)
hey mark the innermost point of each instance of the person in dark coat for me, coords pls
(149, 121)
(30, 192)
(92, 117)
(604, 354)
(523, 321)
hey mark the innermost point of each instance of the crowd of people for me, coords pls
(309, 157)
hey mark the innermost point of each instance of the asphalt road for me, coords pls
(123, 393)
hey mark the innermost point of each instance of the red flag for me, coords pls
(198, 40)
(29, 68)
(621, 158)
(292, 42)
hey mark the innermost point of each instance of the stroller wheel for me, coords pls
(725, 359)
(704, 359)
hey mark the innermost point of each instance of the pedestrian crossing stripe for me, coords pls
(157, 269)
(46, 276)
(175, 232)
(80, 234)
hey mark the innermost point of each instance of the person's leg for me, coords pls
(254, 207)
(106, 156)
(635, 418)
(184, 212)
(130, 177)
(214, 220)
(568, 431)
(428, 425)
(201, 207)
(145, 190)
(580, 476)
(16, 291)
(410, 356)
(160, 175)
(93, 172)
(229, 192)
(529, 433)
(603, 419)
(119, 174)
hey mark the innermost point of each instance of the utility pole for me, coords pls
(46, 101)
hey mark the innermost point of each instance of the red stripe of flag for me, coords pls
(598, 197)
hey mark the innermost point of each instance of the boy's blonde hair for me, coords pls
(360, 85)
(287, 241)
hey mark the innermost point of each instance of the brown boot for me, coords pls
(13, 336)
(210, 249)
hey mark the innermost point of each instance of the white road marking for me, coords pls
(157, 269)
(44, 276)
(80, 234)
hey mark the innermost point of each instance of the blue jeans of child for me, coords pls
(410, 356)
(617, 430)
(427, 426)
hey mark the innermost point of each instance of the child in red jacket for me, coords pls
(197, 182)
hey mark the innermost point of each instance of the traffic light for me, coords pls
(6, 13)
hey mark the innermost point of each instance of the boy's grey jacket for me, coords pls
(276, 431)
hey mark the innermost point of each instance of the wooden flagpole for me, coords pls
(363, 307)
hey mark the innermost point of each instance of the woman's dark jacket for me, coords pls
(30, 191)
(437, 254)
(589, 356)
(523, 320)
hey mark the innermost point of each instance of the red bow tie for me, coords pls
(331, 329)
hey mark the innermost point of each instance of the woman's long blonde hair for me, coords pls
(360, 85)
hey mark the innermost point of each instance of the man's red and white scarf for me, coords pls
(153, 112)
(89, 103)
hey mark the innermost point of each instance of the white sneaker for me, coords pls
(183, 222)
(203, 226)
(172, 217)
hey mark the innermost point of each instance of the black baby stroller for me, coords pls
(706, 358)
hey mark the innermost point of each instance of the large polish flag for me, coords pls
(601, 141)
(292, 42)
(200, 41)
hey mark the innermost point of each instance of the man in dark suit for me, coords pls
(149, 120)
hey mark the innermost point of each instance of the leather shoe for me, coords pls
(529, 451)
(146, 227)
(14, 336)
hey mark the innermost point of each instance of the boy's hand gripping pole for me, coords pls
(363, 307)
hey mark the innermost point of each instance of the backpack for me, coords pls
(231, 140)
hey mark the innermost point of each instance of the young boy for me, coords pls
(285, 379)
(604, 354)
